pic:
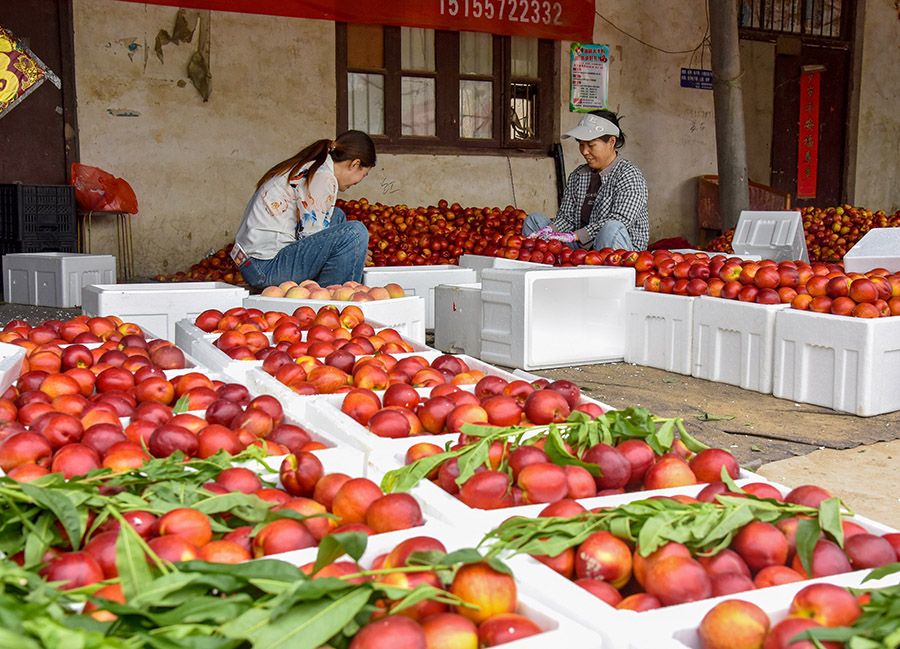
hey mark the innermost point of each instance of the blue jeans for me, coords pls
(335, 255)
(612, 234)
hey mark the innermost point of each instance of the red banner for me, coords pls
(555, 19)
(808, 149)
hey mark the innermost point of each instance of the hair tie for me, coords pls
(332, 147)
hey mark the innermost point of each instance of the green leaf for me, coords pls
(463, 555)
(805, 540)
(63, 505)
(208, 609)
(311, 624)
(708, 417)
(693, 444)
(671, 380)
(830, 519)
(472, 457)
(666, 434)
(556, 450)
(884, 571)
(334, 546)
(182, 405)
(134, 571)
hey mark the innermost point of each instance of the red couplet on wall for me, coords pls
(554, 19)
(808, 151)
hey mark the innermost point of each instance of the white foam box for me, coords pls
(623, 629)
(678, 629)
(660, 330)
(534, 319)
(200, 344)
(420, 281)
(11, 358)
(559, 629)
(159, 306)
(734, 341)
(405, 314)
(772, 235)
(879, 248)
(839, 362)
(479, 262)
(54, 278)
(457, 318)
(711, 254)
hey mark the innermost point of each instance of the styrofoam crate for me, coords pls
(678, 629)
(54, 278)
(559, 629)
(839, 362)
(733, 342)
(457, 318)
(711, 254)
(564, 595)
(534, 319)
(479, 262)
(11, 357)
(405, 314)
(419, 280)
(660, 330)
(879, 248)
(190, 337)
(773, 235)
(160, 306)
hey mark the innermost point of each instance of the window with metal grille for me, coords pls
(819, 18)
(414, 89)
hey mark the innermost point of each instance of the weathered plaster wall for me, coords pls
(670, 130)
(193, 164)
(878, 152)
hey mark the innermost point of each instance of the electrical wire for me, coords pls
(703, 42)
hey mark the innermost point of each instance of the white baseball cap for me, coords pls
(591, 127)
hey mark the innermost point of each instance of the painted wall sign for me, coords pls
(589, 88)
(696, 78)
(554, 19)
(808, 140)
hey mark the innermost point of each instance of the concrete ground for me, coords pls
(787, 442)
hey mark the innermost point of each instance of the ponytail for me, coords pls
(350, 145)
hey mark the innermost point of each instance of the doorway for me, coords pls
(811, 36)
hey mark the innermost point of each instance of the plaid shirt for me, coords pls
(622, 197)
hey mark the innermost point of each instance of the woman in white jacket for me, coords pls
(291, 229)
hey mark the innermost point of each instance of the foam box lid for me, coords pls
(879, 248)
(774, 235)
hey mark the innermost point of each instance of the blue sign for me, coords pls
(698, 79)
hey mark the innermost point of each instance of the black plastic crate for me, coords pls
(32, 212)
(47, 243)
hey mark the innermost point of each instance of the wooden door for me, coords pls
(38, 137)
(833, 89)
(809, 34)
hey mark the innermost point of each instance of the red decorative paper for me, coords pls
(808, 140)
(571, 20)
(20, 72)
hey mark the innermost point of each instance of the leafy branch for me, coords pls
(578, 433)
(702, 527)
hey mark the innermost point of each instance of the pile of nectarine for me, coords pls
(350, 291)
(760, 553)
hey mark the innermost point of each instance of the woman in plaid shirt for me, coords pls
(605, 202)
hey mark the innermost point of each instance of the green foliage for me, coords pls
(579, 432)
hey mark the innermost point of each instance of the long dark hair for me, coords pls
(612, 117)
(350, 145)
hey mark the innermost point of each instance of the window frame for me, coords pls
(447, 77)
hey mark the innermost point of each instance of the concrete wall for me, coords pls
(878, 142)
(194, 163)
